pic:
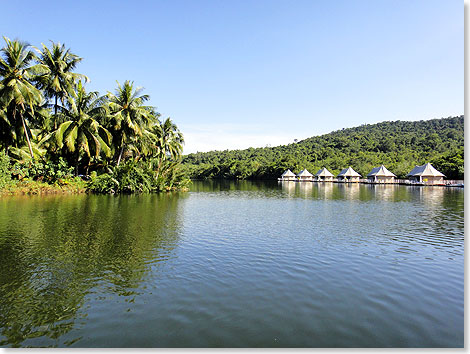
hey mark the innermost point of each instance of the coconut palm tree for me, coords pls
(55, 73)
(128, 116)
(17, 93)
(168, 143)
(81, 132)
(169, 139)
(7, 130)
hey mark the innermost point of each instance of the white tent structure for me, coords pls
(304, 175)
(348, 175)
(287, 176)
(324, 175)
(426, 174)
(381, 175)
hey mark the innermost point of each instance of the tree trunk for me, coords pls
(120, 155)
(55, 113)
(158, 168)
(27, 137)
(76, 165)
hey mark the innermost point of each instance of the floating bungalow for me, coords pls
(348, 175)
(381, 175)
(324, 175)
(304, 175)
(426, 174)
(420, 175)
(287, 176)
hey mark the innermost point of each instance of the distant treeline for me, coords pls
(398, 145)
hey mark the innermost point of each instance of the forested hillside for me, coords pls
(399, 145)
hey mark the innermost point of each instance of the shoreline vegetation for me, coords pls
(43, 179)
(55, 137)
(42, 188)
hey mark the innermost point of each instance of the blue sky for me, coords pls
(234, 74)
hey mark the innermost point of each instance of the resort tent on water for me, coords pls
(287, 176)
(427, 174)
(324, 175)
(304, 175)
(348, 175)
(381, 175)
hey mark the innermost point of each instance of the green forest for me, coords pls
(399, 145)
(54, 132)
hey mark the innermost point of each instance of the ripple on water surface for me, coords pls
(235, 264)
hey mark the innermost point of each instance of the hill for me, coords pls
(399, 145)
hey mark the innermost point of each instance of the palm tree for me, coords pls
(55, 74)
(128, 117)
(169, 142)
(17, 93)
(7, 130)
(81, 131)
(170, 139)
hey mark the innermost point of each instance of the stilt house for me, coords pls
(287, 176)
(348, 175)
(304, 175)
(426, 174)
(324, 175)
(381, 175)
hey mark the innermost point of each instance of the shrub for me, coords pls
(104, 183)
(48, 172)
(138, 177)
(5, 174)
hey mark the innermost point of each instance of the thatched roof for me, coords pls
(380, 172)
(324, 173)
(425, 170)
(288, 173)
(349, 172)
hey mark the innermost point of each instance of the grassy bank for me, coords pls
(77, 186)
(29, 187)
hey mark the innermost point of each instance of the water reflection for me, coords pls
(429, 195)
(387, 258)
(305, 188)
(288, 187)
(235, 264)
(434, 213)
(57, 250)
(351, 191)
(441, 207)
(217, 185)
(325, 190)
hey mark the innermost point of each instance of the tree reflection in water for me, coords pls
(58, 250)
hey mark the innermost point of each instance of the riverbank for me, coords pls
(75, 186)
(28, 187)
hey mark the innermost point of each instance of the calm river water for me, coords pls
(235, 264)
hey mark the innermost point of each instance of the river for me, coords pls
(235, 264)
